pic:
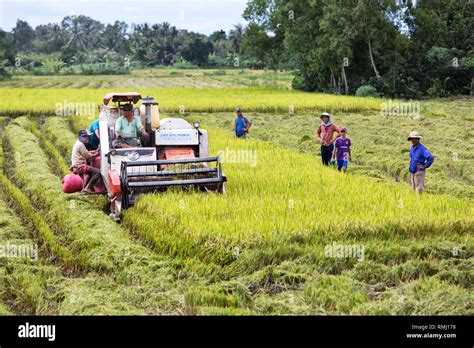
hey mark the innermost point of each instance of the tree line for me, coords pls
(396, 48)
(400, 48)
(84, 41)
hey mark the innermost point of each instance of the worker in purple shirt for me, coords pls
(420, 159)
(342, 152)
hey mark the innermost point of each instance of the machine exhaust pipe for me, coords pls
(148, 102)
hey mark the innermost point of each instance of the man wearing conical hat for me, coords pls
(420, 160)
(325, 136)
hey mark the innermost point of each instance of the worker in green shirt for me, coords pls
(128, 129)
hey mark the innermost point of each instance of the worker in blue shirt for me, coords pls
(420, 159)
(241, 124)
(94, 141)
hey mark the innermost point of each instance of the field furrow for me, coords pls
(89, 239)
(97, 242)
(40, 285)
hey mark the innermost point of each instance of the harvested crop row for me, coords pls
(79, 122)
(60, 165)
(97, 242)
(20, 101)
(44, 232)
(16, 290)
(58, 132)
(19, 286)
(86, 238)
(32, 286)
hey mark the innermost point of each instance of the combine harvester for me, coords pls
(174, 154)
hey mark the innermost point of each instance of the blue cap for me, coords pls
(83, 133)
(238, 110)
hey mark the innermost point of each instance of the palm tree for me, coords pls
(235, 36)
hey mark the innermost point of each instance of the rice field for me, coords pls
(54, 101)
(379, 145)
(290, 236)
(288, 223)
(160, 78)
(300, 201)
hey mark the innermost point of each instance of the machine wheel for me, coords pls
(114, 210)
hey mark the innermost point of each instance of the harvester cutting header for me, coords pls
(139, 153)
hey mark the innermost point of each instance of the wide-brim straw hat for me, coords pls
(414, 135)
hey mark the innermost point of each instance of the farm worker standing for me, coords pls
(342, 147)
(94, 141)
(80, 157)
(325, 136)
(242, 124)
(128, 129)
(420, 159)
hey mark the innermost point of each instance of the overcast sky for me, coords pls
(204, 16)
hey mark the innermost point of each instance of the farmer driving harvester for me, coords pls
(80, 159)
(128, 129)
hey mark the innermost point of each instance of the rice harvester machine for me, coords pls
(175, 154)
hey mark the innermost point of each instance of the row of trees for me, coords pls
(400, 48)
(80, 40)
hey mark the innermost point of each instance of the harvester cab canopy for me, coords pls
(125, 97)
